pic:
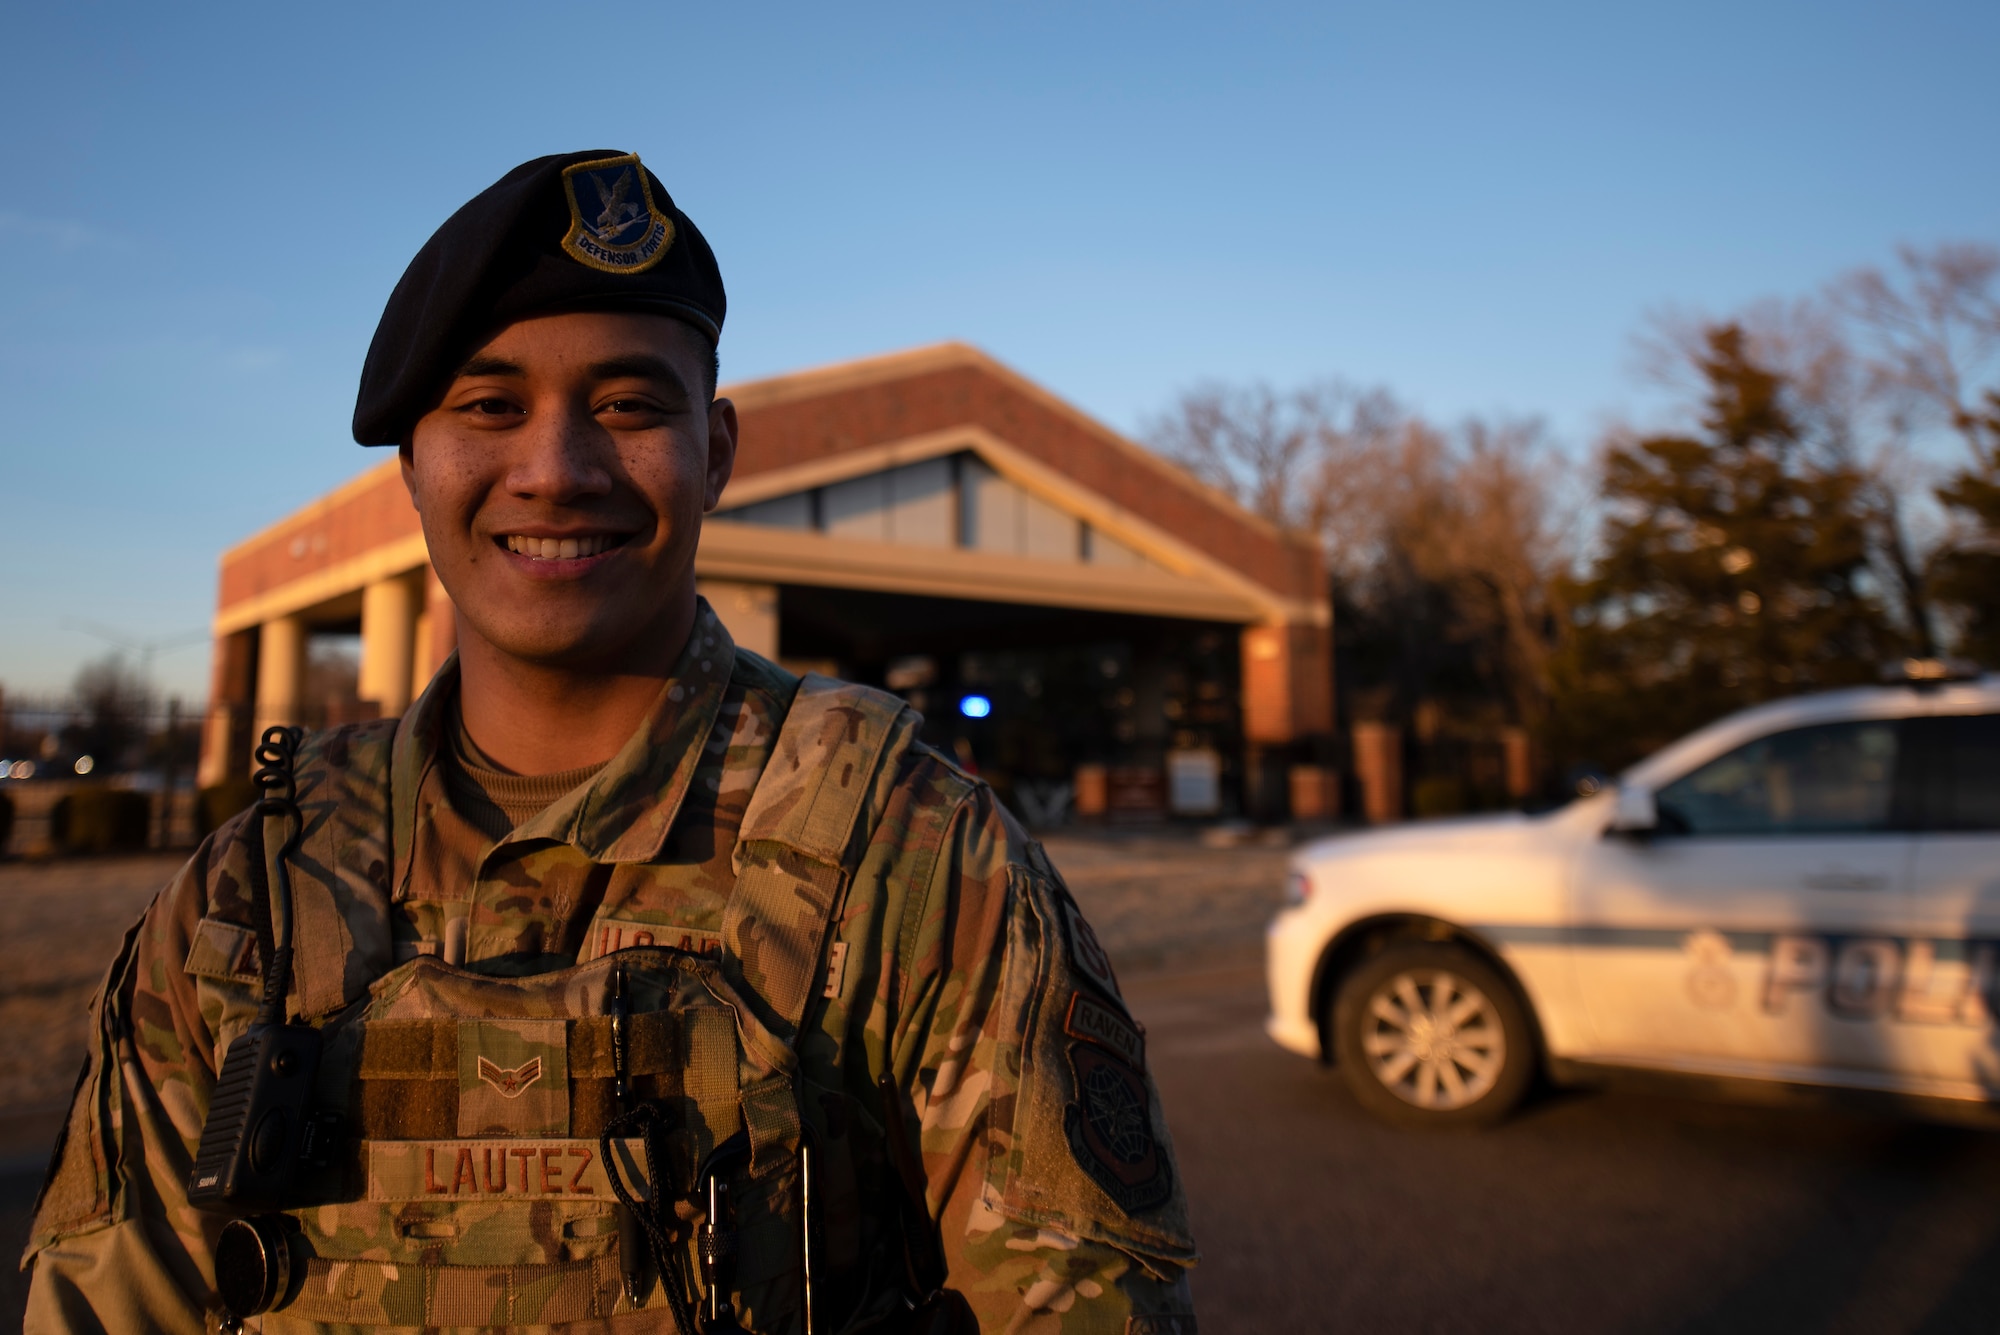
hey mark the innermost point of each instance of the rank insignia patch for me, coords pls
(511, 1084)
(1110, 1130)
(613, 223)
(513, 1078)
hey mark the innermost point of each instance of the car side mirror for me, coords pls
(1636, 812)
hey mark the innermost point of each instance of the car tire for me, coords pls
(1429, 1034)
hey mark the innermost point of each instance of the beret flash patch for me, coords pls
(613, 223)
(1110, 1131)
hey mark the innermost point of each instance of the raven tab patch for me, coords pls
(614, 226)
(1090, 1019)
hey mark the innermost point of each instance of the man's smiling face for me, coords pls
(562, 481)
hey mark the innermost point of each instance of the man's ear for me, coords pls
(403, 453)
(721, 451)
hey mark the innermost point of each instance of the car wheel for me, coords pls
(1430, 1034)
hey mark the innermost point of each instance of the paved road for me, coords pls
(1615, 1211)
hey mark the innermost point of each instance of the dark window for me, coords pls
(1958, 784)
(1833, 778)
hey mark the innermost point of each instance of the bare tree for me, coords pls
(114, 700)
(1417, 523)
(1931, 331)
(1929, 334)
(1489, 533)
(1300, 458)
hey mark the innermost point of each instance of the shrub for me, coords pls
(1442, 795)
(100, 820)
(218, 802)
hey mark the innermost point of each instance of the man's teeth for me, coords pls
(558, 549)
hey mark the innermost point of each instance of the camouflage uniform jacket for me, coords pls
(959, 967)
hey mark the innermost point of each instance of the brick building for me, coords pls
(927, 520)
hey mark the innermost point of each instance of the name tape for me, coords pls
(424, 1170)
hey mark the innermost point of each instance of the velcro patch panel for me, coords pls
(223, 951)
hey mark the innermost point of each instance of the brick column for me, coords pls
(232, 687)
(1378, 765)
(1520, 762)
(1287, 701)
(437, 633)
(1287, 683)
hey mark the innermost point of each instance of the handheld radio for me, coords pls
(260, 1125)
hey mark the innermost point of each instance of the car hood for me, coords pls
(1502, 829)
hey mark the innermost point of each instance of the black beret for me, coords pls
(592, 231)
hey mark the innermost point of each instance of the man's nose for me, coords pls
(561, 455)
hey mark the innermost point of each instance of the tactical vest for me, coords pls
(622, 1140)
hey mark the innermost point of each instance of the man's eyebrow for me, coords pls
(637, 366)
(491, 366)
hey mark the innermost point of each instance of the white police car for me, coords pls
(1807, 891)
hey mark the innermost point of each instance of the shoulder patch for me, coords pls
(614, 226)
(1084, 951)
(1094, 1022)
(1110, 1130)
(223, 951)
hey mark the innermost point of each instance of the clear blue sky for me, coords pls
(203, 207)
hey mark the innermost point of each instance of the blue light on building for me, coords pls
(975, 706)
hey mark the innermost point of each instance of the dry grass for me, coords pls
(60, 925)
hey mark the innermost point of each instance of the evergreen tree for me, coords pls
(1733, 567)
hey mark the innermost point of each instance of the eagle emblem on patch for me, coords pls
(511, 1084)
(613, 223)
(1109, 1125)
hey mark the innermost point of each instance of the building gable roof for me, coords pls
(811, 418)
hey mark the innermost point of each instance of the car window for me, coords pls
(1960, 786)
(1834, 778)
